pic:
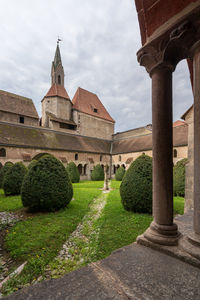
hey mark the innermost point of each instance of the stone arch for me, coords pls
(123, 166)
(80, 169)
(2, 152)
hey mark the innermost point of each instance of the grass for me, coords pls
(178, 205)
(10, 203)
(118, 227)
(39, 239)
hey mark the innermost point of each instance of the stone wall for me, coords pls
(85, 160)
(94, 127)
(15, 118)
(132, 132)
(58, 106)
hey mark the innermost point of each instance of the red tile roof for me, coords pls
(178, 123)
(57, 90)
(90, 104)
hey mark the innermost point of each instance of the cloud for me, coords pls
(100, 41)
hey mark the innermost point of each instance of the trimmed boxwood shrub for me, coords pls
(46, 186)
(13, 179)
(120, 174)
(136, 186)
(97, 173)
(3, 171)
(32, 163)
(179, 177)
(73, 172)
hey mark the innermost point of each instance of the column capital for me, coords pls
(170, 47)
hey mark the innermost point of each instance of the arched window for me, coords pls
(101, 157)
(2, 152)
(120, 158)
(175, 153)
(76, 156)
(59, 79)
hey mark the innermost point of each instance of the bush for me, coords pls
(13, 178)
(179, 178)
(46, 187)
(120, 174)
(32, 163)
(97, 173)
(3, 171)
(136, 186)
(73, 172)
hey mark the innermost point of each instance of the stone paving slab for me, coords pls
(132, 272)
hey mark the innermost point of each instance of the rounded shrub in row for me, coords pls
(179, 178)
(73, 172)
(97, 173)
(136, 186)
(46, 187)
(120, 174)
(3, 171)
(13, 179)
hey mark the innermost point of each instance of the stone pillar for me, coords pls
(191, 243)
(196, 67)
(162, 230)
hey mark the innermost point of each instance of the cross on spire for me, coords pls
(58, 40)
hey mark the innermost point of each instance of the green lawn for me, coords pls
(39, 239)
(118, 227)
(10, 203)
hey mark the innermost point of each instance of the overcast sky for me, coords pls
(100, 41)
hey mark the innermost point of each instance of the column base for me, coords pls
(167, 235)
(191, 244)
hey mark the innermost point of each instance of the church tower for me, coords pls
(57, 71)
(56, 105)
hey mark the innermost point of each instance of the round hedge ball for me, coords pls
(136, 186)
(73, 172)
(3, 171)
(120, 174)
(179, 178)
(13, 179)
(47, 186)
(97, 173)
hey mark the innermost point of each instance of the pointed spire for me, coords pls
(57, 72)
(57, 58)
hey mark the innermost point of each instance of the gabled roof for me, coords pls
(54, 118)
(41, 138)
(87, 102)
(144, 142)
(178, 123)
(185, 114)
(57, 90)
(17, 104)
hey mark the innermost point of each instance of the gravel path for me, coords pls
(80, 247)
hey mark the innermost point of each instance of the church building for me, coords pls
(79, 130)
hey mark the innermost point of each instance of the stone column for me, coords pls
(193, 247)
(162, 230)
(196, 66)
